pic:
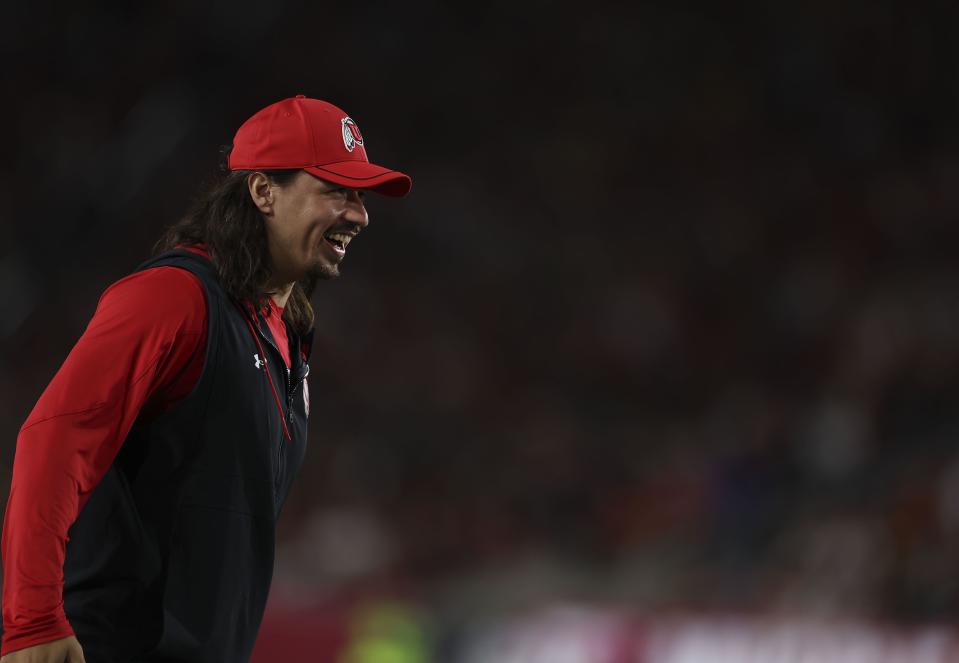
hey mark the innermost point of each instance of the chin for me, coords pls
(324, 271)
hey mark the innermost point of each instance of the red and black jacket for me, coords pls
(171, 557)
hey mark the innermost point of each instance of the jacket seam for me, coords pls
(151, 366)
(62, 414)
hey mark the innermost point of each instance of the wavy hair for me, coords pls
(225, 219)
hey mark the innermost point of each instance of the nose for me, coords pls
(355, 211)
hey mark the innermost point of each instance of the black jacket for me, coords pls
(171, 558)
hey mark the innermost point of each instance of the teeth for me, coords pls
(341, 237)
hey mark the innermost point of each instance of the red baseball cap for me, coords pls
(319, 138)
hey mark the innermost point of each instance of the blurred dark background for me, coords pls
(667, 324)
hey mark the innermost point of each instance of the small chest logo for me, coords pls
(351, 134)
(257, 362)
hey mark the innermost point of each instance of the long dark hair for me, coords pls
(225, 219)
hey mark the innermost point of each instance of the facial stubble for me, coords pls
(324, 271)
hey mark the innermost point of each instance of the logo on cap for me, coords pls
(351, 134)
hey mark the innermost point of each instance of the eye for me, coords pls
(346, 192)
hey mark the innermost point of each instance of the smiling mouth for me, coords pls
(339, 241)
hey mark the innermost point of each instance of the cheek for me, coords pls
(301, 229)
(313, 238)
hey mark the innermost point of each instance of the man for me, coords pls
(150, 475)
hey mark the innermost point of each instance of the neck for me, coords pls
(281, 294)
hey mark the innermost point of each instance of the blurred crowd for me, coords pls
(668, 319)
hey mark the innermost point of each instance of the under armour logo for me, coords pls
(257, 363)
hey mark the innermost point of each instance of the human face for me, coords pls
(310, 224)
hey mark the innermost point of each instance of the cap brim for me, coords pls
(363, 175)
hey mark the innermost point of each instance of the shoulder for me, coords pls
(168, 297)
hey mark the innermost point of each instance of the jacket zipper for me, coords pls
(289, 397)
(290, 386)
(290, 390)
(276, 396)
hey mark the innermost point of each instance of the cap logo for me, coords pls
(351, 134)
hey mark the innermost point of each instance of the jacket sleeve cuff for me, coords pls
(15, 638)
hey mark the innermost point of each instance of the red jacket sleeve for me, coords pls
(143, 348)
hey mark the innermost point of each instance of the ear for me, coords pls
(261, 191)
